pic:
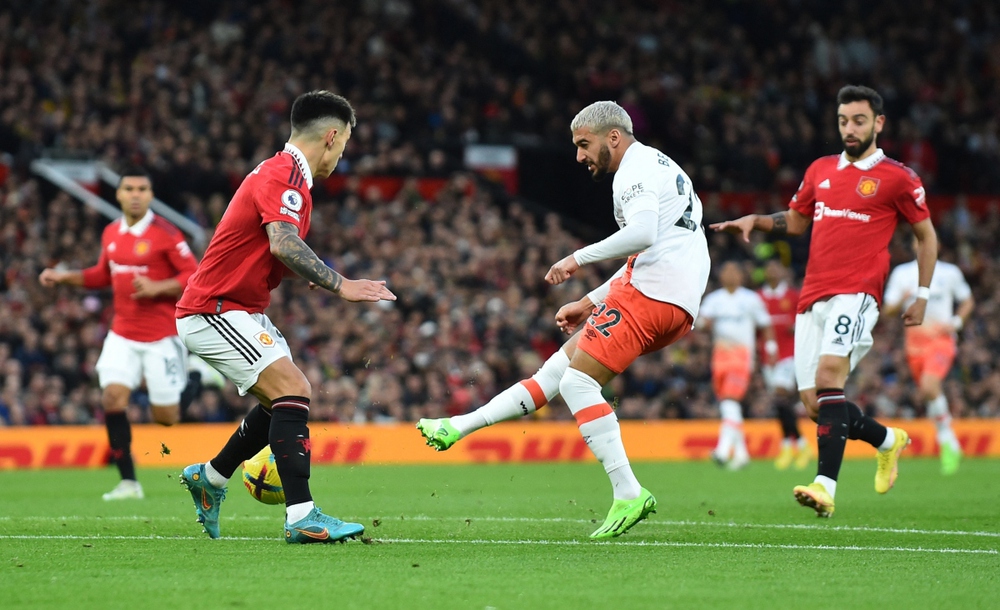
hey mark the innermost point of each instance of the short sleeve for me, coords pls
(911, 201)
(960, 289)
(279, 202)
(804, 199)
(894, 289)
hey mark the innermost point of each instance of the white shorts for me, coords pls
(162, 363)
(839, 326)
(780, 376)
(237, 344)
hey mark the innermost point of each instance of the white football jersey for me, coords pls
(948, 286)
(736, 316)
(675, 268)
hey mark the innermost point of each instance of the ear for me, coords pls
(879, 123)
(330, 136)
(614, 138)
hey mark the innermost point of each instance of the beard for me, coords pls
(855, 149)
(602, 165)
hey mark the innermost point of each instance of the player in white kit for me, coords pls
(733, 314)
(931, 347)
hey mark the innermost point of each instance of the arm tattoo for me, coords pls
(780, 223)
(288, 247)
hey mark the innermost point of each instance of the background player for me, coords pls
(147, 263)
(853, 202)
(781, 299)
(733, 314)
(931, 347)
(221, 317)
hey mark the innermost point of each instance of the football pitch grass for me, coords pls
(512, 536)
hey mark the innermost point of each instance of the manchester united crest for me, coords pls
(264, 339)
(867, 187)
(141, 248)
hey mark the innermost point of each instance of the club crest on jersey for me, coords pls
(141, 248)
(264, 339)
(867, 187)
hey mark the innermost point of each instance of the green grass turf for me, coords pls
(511, 537)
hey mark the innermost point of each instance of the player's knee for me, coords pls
(809, 402)
(930, 387)
(166, 416)
(114, 398)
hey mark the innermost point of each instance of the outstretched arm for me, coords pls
(288, 247)
(789, 222)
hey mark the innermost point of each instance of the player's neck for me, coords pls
(626, 143)
(131, 221)
(310, 151)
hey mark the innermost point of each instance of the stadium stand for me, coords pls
(199, 93)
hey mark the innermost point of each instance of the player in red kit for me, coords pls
(853, 202)
(781, 299)
(221, 317)
(146, 262)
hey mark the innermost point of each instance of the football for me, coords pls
(260, 477)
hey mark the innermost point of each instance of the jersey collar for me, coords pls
(864, 164)
(300, 159)
(138, 228)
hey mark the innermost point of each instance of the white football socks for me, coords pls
(937, 409)
(731, 437)
(298, 512)
(522, 398)
(890, 439)
(599, 427)
(828, 483)
(213, 476)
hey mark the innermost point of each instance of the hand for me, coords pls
(145, 288)
(914, 314)
(50, 277)
(739, 226)
(772, 359)
(571, 315)
(561, 271)
(314, 286)
(365, 290)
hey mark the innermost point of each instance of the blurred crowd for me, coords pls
(473, 316)
(741, 92)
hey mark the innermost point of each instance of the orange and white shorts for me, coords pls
(629, 324)
(929, 352)
(732, 366)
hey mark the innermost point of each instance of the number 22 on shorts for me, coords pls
(612, 316)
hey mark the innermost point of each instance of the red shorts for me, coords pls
(629, 324)
(929, 352)
(731, 370)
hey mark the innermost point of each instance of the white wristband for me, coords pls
(924, 293)
(771, 347)
(956, 322)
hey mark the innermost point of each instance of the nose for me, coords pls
(580, 156)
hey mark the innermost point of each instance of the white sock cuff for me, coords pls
(937, 406)
(731, 411)
(551, 373)
(579, 390)
(213, 476)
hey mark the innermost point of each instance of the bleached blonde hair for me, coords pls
(602, 117)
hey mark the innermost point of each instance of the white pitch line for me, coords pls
(655, 522)
(636, 543)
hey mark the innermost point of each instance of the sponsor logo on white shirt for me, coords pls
(631, 192)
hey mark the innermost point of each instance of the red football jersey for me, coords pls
(855, 208)
(153, 248)
(781, 304)
(238, 270)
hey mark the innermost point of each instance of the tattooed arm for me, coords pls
(789, 222)
(288, 247)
